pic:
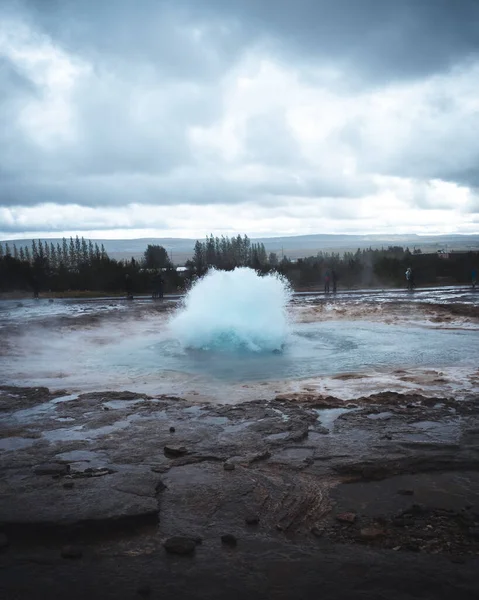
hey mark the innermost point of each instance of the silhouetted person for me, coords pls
(35, 287)
(128, 287)
(158, 283)
(327, 278)
(334, 279)
(409, 279)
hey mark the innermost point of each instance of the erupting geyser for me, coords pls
(234, 310)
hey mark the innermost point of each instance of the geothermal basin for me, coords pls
(270, 432)
(293, 341)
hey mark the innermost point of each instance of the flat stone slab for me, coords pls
(44, 501)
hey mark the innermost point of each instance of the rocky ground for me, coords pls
(123, 495)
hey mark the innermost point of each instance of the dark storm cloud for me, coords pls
(383, 39)
(156, 72)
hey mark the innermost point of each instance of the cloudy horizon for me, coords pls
(271, 118)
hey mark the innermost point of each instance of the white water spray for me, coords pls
(234, 310)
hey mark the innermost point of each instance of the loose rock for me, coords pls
(252, 520)
(317, 531)
(172, 430)
(371, 533)
(68, 485)
(228, 467)
(347, 517)
(229, 540)
(174, 451)
(180, 545)
(71, 552)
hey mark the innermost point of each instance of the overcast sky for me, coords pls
(183, 117)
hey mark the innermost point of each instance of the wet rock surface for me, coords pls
(406, 467)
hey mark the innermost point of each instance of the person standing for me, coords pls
(327, 278)
(409, 278)
(128, 287)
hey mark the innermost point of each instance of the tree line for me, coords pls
(77, 264)
(225, 253)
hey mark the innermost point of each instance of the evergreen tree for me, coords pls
(22, 254)
(71, 255)
(78, 253)
(28, 257)
(104, 255)
(273, 259)
(91, 252)
(53, 257)
(7, 250)
(59, 255)
(199, 257)
(41, 253)
(46, 250)
(97, 252)
(34, 250)
(210, 251)
(65, 253)
(156, 257)
(1, 251)
(15, 252)
(84, 251)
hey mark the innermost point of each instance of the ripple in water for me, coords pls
(234, 310)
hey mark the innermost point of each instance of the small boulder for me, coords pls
(252, 520)
(172, 430)
(180, 545)
(228, 466)
(317, 531)
(68, 485)
(174, 451)
(346, 517)
(371, 533)
(416, 510)
(71, 552)
(229, 540)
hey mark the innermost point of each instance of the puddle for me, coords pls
(327, 416)
(79, 433)
(215, 420)
(278, 436)
(292, 454)
(15, 443)
(382, 416)
(121, 404)
(65, 398)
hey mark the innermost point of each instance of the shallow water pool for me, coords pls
(313, 349)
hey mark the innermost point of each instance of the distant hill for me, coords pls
(181, 249)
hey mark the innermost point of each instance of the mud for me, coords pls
(96, 476)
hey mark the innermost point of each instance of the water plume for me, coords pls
(234, 310)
